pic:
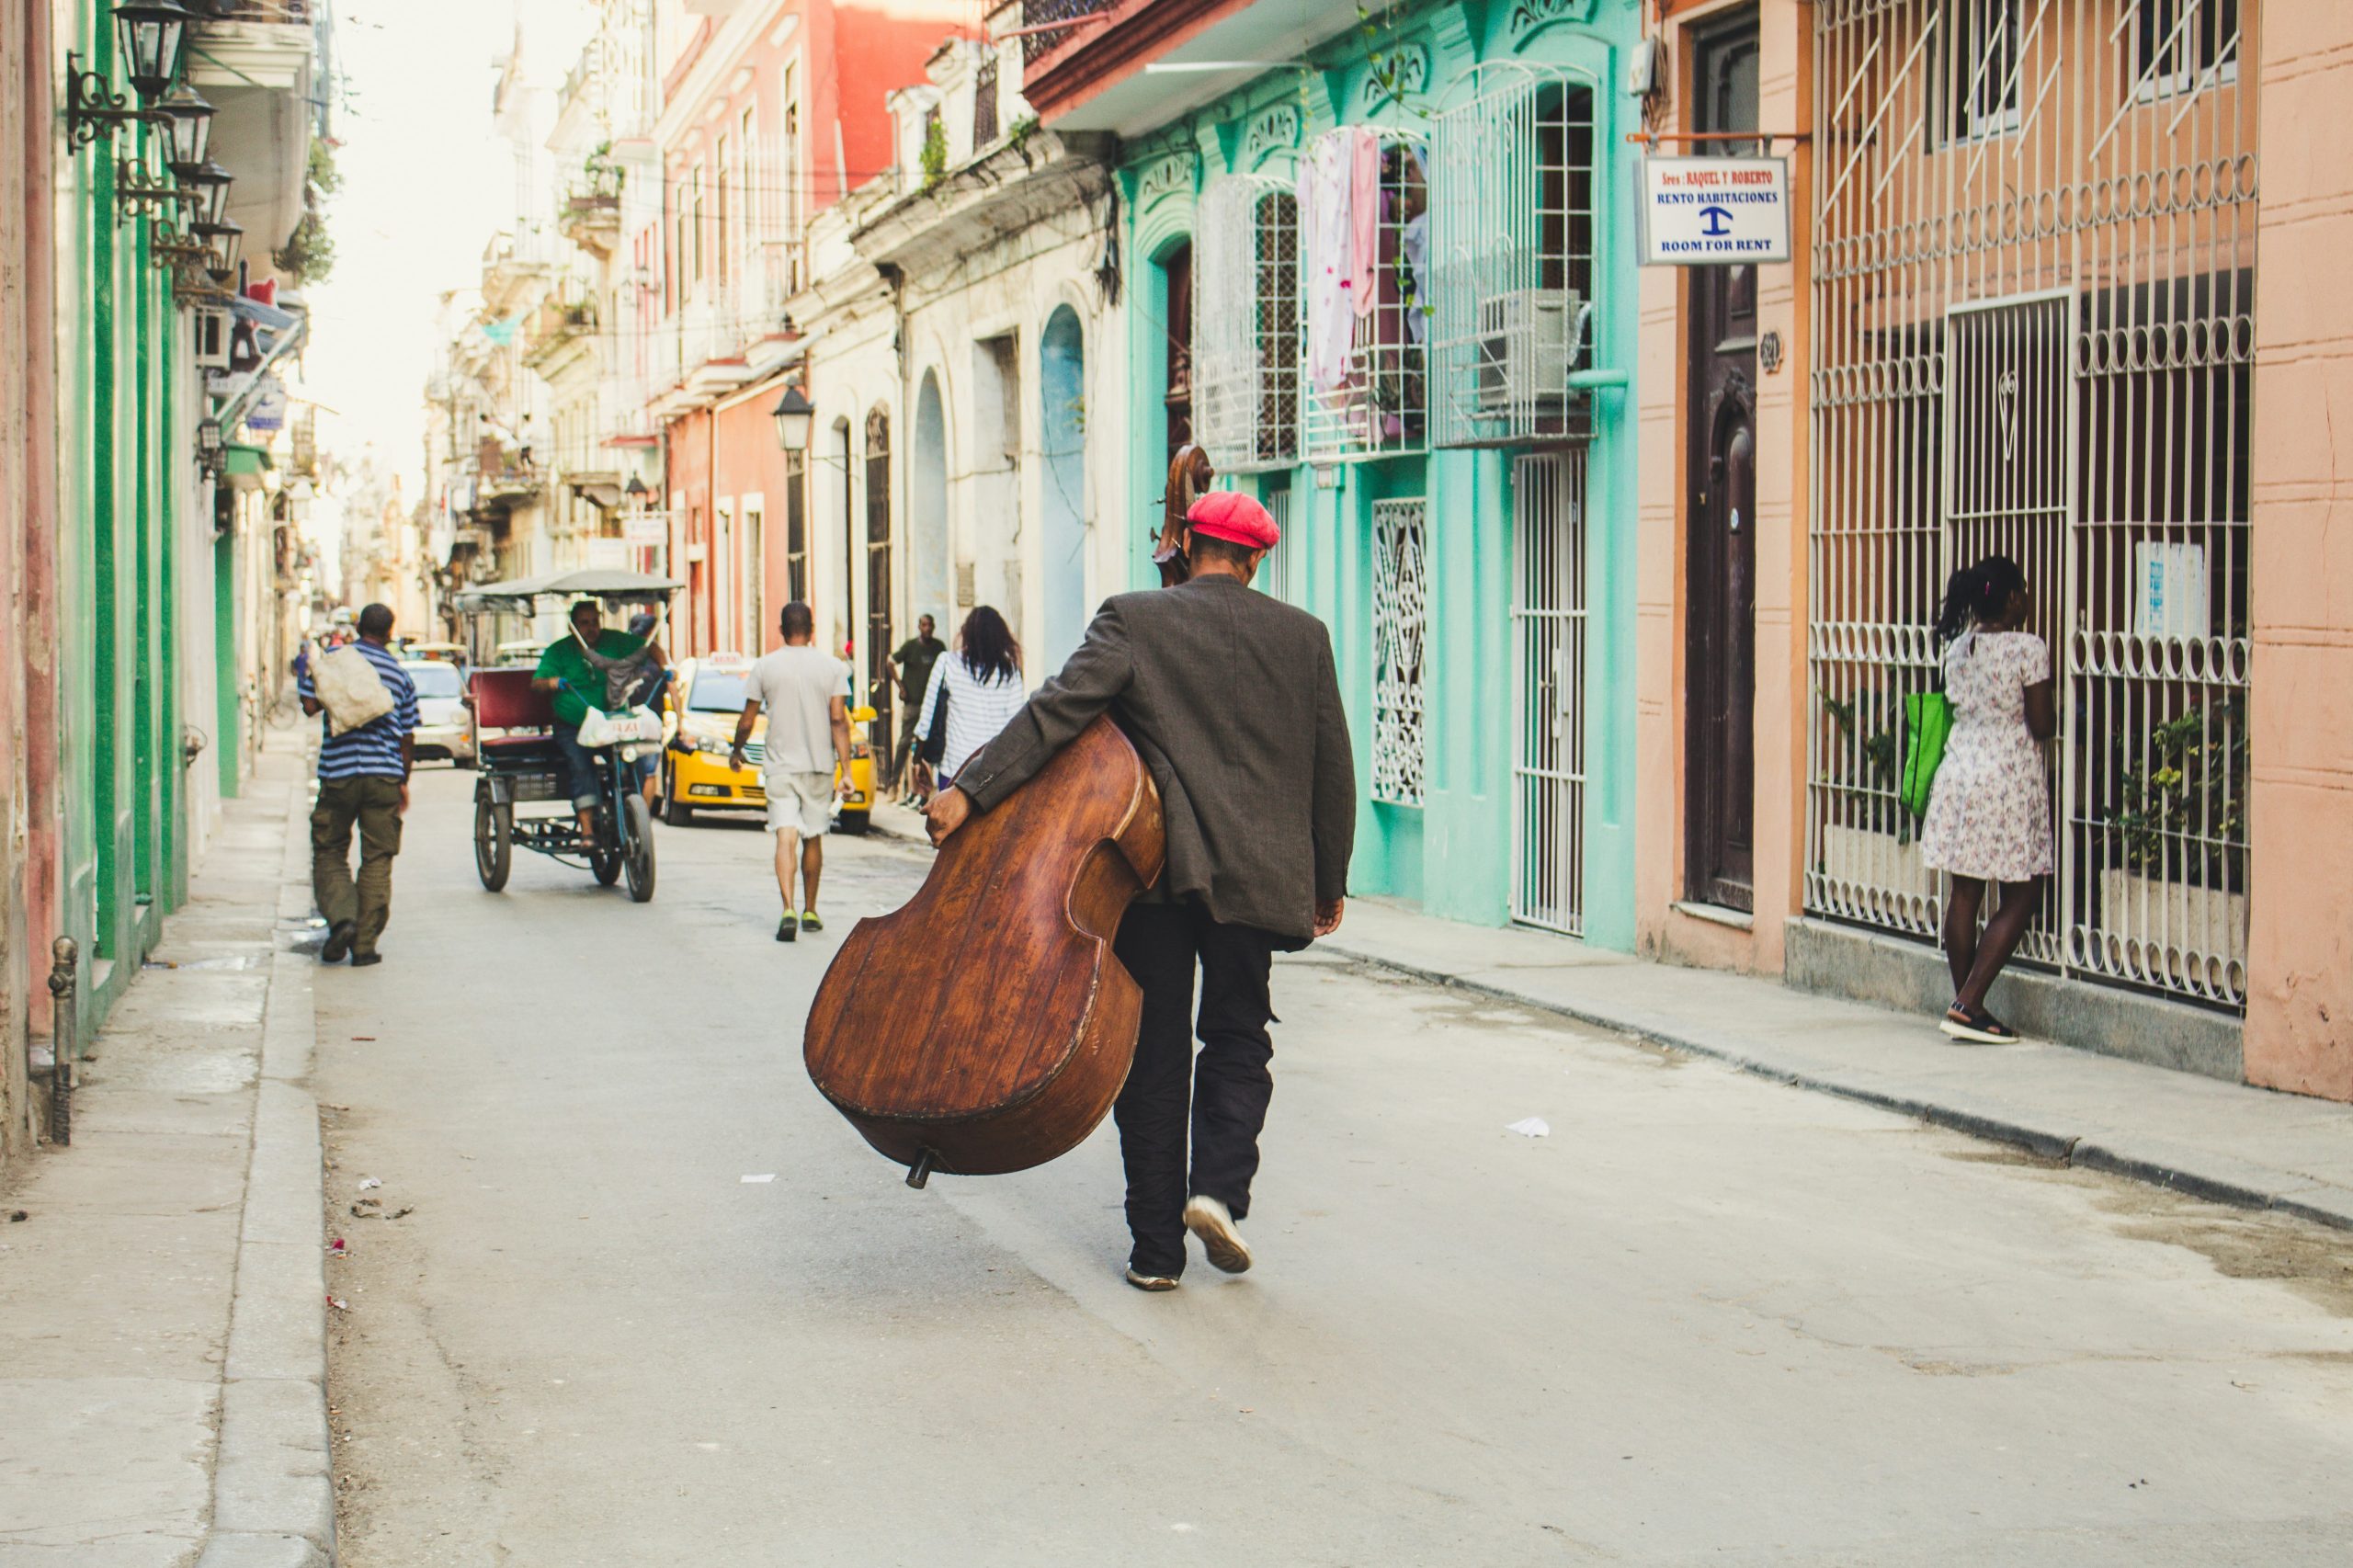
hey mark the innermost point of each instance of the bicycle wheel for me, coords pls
(494, 842)
(638, 853)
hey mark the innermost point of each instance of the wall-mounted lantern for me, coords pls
(795, 416)
(155, 39)
(225, 241)
(205, 188)
(153, 35)
(188, 122)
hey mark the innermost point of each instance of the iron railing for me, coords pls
(1038, 14)
(2033, 334)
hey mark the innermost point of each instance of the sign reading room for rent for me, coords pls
(1712, 211)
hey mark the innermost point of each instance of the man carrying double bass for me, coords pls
(1231, 699)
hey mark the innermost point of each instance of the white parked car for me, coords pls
(444, 726)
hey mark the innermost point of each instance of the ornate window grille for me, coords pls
(2040, 343)
(1373, 402)
(1245, 324)
(985, 104)
(1400, 620)
(1514, 198)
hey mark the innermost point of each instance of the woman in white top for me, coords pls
(1989, 809)
(982, 680)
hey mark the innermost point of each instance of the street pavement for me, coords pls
(630, 1292)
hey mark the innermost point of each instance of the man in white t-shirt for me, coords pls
(805, 691)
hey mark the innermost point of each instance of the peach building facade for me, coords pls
(2050, 258)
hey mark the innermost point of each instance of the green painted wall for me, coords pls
(124, 844)
(1453, 854)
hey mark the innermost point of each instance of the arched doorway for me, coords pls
(928, 557)
(1062, 544)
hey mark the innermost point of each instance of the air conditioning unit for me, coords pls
(213, 330)
(1526, 343)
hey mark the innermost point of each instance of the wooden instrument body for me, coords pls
(985, 1026)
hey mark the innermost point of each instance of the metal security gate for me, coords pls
(2033, 332)
(1548, 698)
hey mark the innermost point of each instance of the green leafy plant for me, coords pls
(935, 151)
(308, 256)
(1867, 762)
(2181, 813)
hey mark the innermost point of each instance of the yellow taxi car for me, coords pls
(701, 711)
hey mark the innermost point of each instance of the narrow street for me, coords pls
(1707, 1318)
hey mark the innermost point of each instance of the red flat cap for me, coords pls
(1231, 515)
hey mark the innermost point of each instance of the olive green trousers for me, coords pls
(373, 805)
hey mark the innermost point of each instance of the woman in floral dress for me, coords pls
(1989, 811)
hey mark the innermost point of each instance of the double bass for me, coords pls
(986, 1026)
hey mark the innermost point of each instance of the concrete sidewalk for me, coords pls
(2213, 1140)
(163, 1350)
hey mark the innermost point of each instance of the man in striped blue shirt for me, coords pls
(363, 781)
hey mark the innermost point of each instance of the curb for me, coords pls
(2248, 1186)
(273, 1484)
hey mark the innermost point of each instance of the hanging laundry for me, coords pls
(1324, 181)
(1365, 213)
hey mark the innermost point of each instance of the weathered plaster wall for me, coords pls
(2300, 1007)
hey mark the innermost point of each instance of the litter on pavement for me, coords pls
(770, 1177)
(1531, 1127)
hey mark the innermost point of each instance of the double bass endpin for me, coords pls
(920, 1172)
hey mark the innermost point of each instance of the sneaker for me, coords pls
(1977, 1025)
(786, 929)
(809, 921)
(338, 945)
(361, 960)
(1151, 1281)
(1213, 1222)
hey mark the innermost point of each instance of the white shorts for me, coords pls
(799, 803)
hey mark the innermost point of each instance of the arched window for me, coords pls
(1245, 325)
(877, 567)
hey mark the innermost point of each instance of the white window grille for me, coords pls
(1547, 760)
(2039, 344)
(1400, 620)
(1512, 297)
(1371, 400)
(1245, 324)
(1279, 573)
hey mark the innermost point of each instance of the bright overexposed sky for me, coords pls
(425, 183)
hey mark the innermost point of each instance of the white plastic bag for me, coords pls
(350, 689)
(602, 729)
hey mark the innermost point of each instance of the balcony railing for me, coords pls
(254, 10)
(1040, 14)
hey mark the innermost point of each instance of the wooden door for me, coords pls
(1720, 625)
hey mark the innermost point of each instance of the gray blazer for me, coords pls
(1231, 698)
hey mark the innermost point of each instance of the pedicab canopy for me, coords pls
(584, 583)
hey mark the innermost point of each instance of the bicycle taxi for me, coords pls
(520, 766)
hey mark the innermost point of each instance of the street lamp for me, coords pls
(207, 444)
(155, 34)
(225, 241)
(205, 188)
(187, 122)
(636, 492)
(794, 416)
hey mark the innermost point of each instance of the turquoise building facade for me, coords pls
(1475, 558)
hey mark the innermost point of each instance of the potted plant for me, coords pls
(2175, 877)
(1868, 842)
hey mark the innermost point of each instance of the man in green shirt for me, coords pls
(576, 685)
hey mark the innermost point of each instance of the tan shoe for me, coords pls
(1151, 1281)
(1213, 1222)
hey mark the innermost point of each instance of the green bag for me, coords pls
(1927, 720)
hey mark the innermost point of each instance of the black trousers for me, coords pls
(1221, 1096)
